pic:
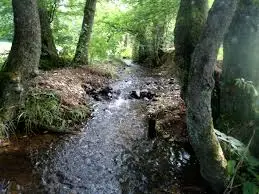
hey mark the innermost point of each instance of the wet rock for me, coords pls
(87, 87)
(116, 93)
(146, 99)
(148, 82)
(142, 94)
(171, 81)
(106, 91)
(97, 97)
(135, 94)
(166, 136)
(147, 94)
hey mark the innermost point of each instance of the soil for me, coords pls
(71, 83)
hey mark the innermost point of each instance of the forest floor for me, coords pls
(112, 153)
(72, 84)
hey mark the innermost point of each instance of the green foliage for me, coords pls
(6, 22)
(242, 168)
(66, 25)
(231, 167)
(250, 188)
(112, 24)
(44, 110)
(132, 19)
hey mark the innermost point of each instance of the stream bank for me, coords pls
(112, 154)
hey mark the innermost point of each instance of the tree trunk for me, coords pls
(81, 55)
(144, 48)
(201, 83)
(49, 54)
(158, 40)
(190, 21)
(241, 48)
(23, 59)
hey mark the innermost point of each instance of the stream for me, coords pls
(112, 155)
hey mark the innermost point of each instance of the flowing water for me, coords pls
(111, 155)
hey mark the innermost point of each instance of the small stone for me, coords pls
(135, 94)
(146, 99)
(166, 136)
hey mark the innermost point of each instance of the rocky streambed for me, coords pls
(115, 152)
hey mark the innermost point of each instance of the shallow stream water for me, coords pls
(111, 155)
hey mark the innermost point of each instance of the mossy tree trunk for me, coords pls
(23, 59)
(49, 54)
(201, 83)
(241, 60)
(144, 48)
(81, 55)
(148, 43)
(157, 41)
(135, 49)
(190, 21)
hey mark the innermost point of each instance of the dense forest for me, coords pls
(129, 96)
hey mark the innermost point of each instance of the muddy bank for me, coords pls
(112, 154)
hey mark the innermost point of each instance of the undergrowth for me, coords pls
(45, 110)
(242, 168)
(2, 60)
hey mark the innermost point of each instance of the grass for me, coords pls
(44, 110)
(6, 129)
(2, 60)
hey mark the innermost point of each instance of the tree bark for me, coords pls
(144, 47)
(23, 59)
(157, 41)
(81, 55)
(241, 48)
(49, 54)
(201, 83)
(190, 21)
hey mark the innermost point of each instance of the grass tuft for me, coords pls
(43, 110)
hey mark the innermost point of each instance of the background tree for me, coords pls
(6, 32)
(49, 54)
(23, 59)
(81, 55)
(241, 47)
(199, 116)
(190, 21)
